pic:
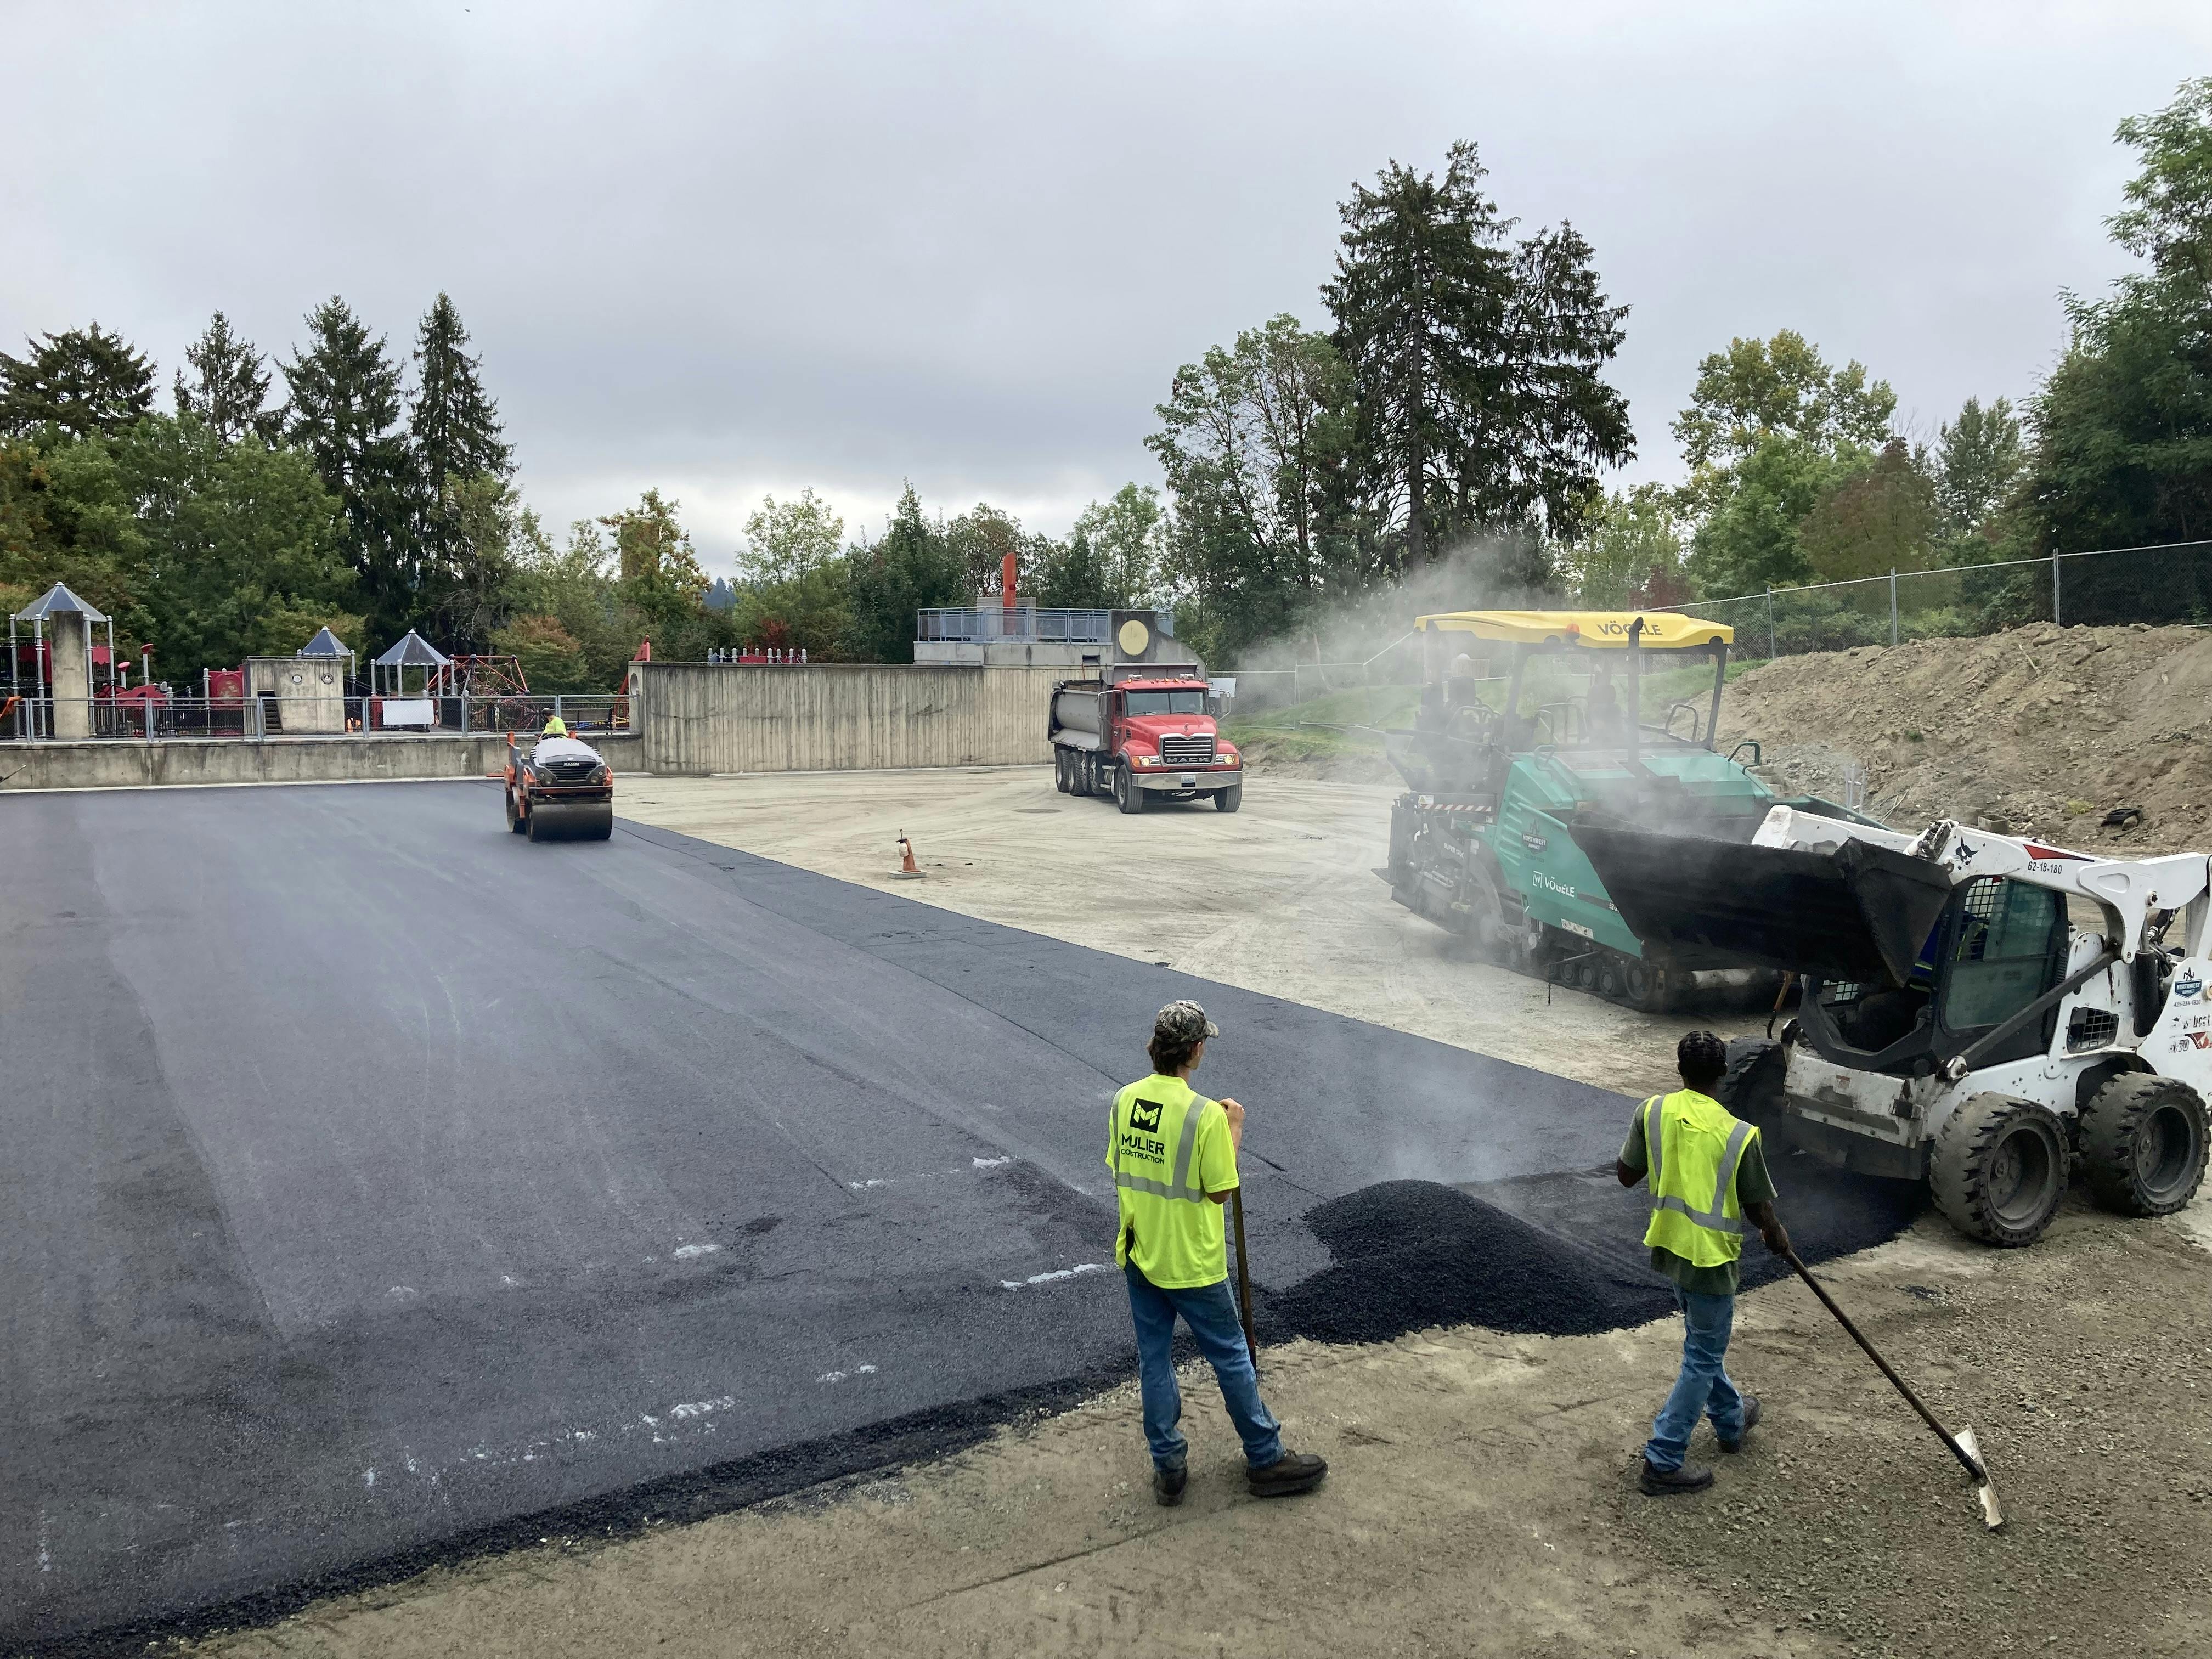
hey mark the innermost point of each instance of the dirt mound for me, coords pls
(2038, 731)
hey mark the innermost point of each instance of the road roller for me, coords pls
(558, 789)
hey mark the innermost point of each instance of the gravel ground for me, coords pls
(1481, 1501)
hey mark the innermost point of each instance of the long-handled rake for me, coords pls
(1962, 1445)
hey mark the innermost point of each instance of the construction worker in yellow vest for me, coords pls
(1708, 1176)
(1174, 1156)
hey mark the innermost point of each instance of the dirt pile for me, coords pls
(2038, 731)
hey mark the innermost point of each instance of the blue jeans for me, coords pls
(1210, 1313)
(1704, 1385)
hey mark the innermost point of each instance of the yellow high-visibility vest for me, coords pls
(1176, 1229)
(1693, 1147)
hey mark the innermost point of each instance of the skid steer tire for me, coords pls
(1998, 1169)
(2143, 1143)
(1751, 1088)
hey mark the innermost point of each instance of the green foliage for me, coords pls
(228, 393)
(657, 568)
(786, 541)
(2123, 424)
(486, 538)
(1113, 558)
(1875, 519)
(344, 413)
(1757, 390)
(1749, 539)
(1475, 363)
(1980, 459)
(912, 567)
(83, 382)
(551, 658)
(1629, 553)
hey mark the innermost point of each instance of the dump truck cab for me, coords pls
(1533, 721)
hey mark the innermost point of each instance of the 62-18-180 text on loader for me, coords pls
(1979, 1009)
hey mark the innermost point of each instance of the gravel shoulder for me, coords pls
(1481, 1501)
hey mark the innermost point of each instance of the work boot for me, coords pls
(1666, 1483)
(1168, 1485)
(1293, 1472)
(1750, 1422)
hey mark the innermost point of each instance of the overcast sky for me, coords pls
(726, 249)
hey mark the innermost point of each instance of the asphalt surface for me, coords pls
(377, 1182)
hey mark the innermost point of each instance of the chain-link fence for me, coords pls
(2169, 583)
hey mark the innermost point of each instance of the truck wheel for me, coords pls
(1229, 799)
(1998, 1169)
(513, 822)
(1059, 780)
(1127, 795)
(2143, 1143)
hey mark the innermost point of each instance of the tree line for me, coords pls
(1453, 418)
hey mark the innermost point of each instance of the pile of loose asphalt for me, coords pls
(383, 1189)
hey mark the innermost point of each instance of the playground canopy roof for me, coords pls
(413, 651)
(1604, 630)
(326, 644)
(59, 601)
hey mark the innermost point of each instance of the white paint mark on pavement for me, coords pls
(991, 1162)
(1076, 1272)
(368, 1477)
(685, 1252)
(701, 1407)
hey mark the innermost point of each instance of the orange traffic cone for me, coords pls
(905, 872)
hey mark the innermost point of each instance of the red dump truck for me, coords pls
(1141, 739)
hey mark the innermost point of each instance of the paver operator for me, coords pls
(1174, 1156)
(1708, 1174)
(555, 728)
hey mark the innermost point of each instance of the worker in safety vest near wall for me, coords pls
(1708, 1177)
(555, 728)
(1174, 1156)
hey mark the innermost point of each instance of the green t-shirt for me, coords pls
(1178, 1243)
(1754, 1185)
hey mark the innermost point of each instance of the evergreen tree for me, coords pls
(453, 425)
(344, 412)
(912, 568)
(229, 393)
(83, 381)
(1475, 363)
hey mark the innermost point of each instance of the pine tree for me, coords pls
(1474, 361)
(83, 381)
(453, 426)
(230, 392)
(344, 412)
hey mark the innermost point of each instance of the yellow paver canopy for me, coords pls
(1663, 630)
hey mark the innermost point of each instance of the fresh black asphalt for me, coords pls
(378, 1185)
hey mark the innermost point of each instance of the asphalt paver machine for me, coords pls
(1980, 1012)
(1524, 731)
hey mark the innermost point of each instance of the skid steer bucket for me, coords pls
(1857, 912)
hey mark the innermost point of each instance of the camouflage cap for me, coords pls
(1183, 1024)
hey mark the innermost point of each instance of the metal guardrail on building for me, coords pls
(982, 623)
(157, 718)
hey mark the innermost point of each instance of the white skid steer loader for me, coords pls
(1977, 1009)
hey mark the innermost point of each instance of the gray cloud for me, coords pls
(730, 249)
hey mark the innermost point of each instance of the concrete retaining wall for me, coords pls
(704, 717)
(123, 764)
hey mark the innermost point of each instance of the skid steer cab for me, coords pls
(558, 789)
(1980, 1012)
